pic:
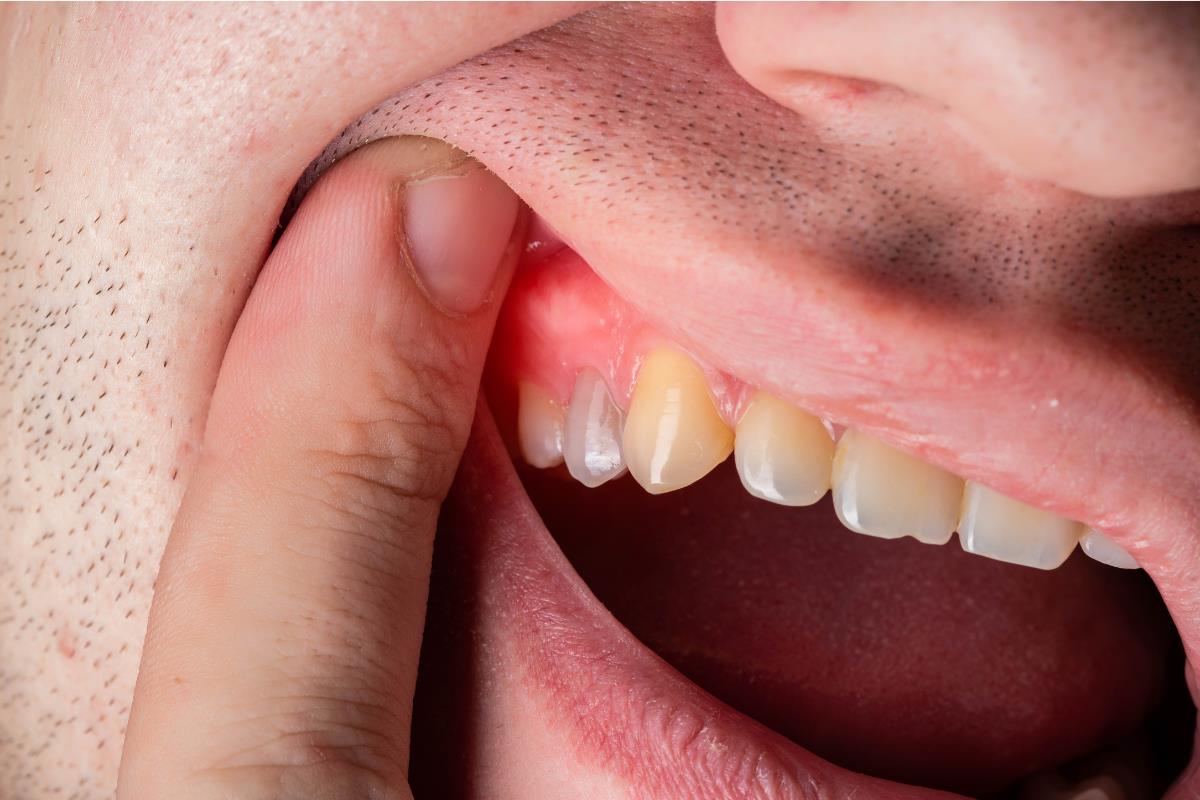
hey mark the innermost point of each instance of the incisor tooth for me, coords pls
(540, 423)
(1105, 550)
(592, 440)
(783, 454)
(880, 491)
(1005, 529)
(673, 434)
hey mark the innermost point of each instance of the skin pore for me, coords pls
(145, 158)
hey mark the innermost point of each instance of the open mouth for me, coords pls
(737, 636)
(760, 336)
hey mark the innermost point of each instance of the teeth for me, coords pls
(999, 527)
(783, 454)
(1105, 550)
(674, 435)
(540, 423)
(880, 491)
(592, 439)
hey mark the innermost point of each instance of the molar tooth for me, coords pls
(1093, 793)
(880, 491)
(1000, 527)
(1105, 550)
(540, 424)
(783, 454)
(592, 439)
(1102, 787)
(673, 435)
(1053, 786)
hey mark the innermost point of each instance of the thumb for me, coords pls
(281, 654)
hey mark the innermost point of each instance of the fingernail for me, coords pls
(458, 221)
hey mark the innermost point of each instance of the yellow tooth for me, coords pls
(1005, 529)
(540, 423)
(880, 491)
(673, 433)
(783, 454)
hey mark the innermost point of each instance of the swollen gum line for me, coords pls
(560, 317)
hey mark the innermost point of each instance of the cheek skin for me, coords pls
(134, 214)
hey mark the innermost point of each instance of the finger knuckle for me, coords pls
(391, 453)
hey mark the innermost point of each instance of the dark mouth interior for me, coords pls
(918, 664)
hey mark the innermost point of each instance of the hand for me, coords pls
(282, 648)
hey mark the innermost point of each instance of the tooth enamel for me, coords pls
(999, 527)
(782, 453)
(1105, 550)
(592, 439)
(673, 434)
(540, 423)
(880, 491)
(1092, 793)
(1103, 787)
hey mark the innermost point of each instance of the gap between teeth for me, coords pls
(673, 435)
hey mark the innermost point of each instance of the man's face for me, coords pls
(888, 241)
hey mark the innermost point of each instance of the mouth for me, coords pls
(970, 369)
(653, 546)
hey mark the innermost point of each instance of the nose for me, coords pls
(1102, 99)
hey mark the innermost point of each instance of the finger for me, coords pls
(282, 646)
(1102, 100)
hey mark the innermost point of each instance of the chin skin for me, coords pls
(147, 159)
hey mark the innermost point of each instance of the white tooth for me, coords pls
(782, 453)
(592, 440)
(1106, 551)
(1052, 786)
(540, 423)
(880, 491)
(999, 527)
(1103, 787)
(1091, 793)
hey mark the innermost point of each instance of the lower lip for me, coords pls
(617, 708)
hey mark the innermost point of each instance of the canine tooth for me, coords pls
(1000, 527)
(592, 439)
(783, 454)
(540, 424)
(1105, 550)
(880, 491)
(673, 434)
